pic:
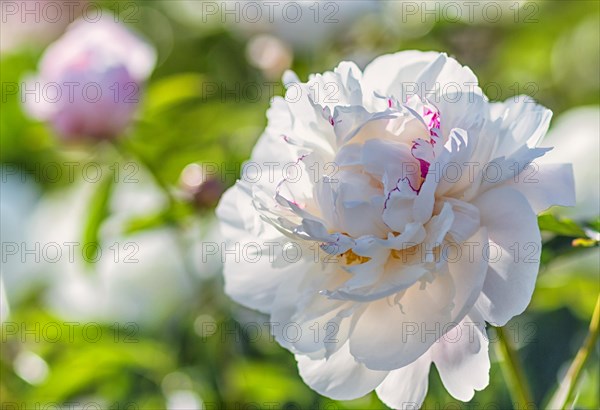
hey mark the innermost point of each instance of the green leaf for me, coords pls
(92, 366)
(562, 226)
(569, 281)
(173, 90)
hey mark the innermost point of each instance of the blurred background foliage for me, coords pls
(168, 335)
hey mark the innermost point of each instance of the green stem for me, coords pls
(513, 371)
(568, 384)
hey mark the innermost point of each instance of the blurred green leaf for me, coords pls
(170, 91)
(560, 226)
(264, 382)
(81, 370)
(571, 281)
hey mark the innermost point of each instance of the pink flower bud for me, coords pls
(89, 81)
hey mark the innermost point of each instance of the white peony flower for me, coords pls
(385, 216)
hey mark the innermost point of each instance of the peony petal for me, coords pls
(238, 217)
(307, 126)
(352, 121)
(502, 169)
(462, 358)
(466, 220)
(388, 75)
(303, 320)
(415, 319)
(545, 185)
(439, 225)
(251, 276)
(409, 324)
(574, 136)
(349, 155)
(339, 377)
(254, 272)
(467, 267)
(398, 206)
(405, 388)
(523, 122)
(425, 201)
(445, 75)
(514, 254)
(340, 87)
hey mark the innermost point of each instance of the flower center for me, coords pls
(350, 258)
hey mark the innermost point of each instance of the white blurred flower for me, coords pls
(89, 81)
(18, 198)
(306, 25)
(184, 400)
(575, 137)
(138, 278)
(405, 222)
